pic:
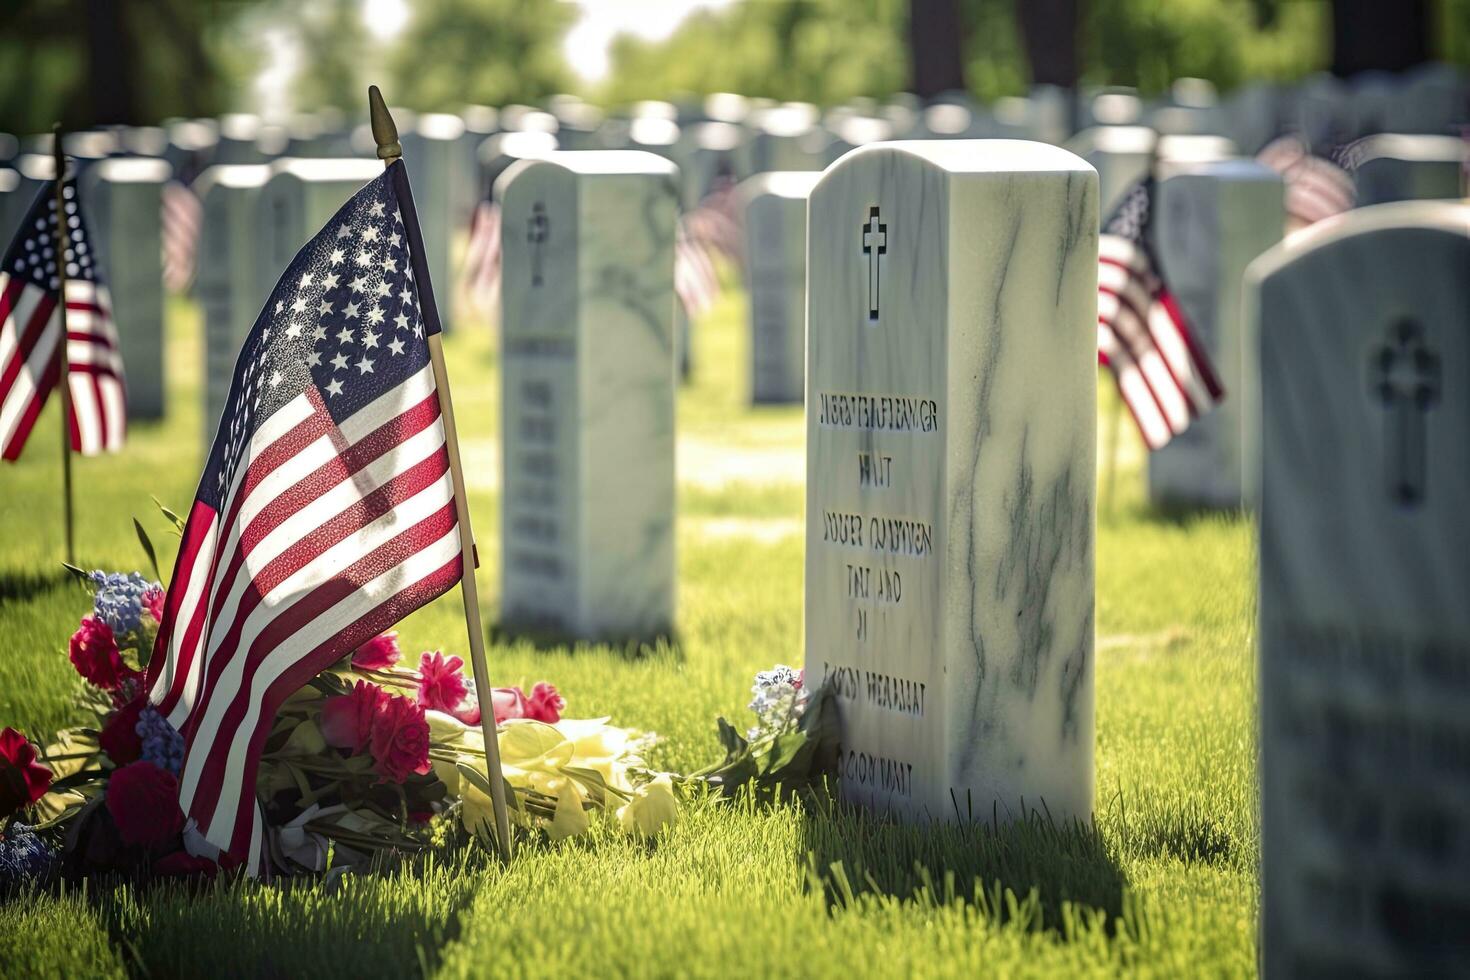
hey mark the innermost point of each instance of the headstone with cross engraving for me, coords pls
(775, 248)
(951, 428)
(124, 201)
(1363, 335)
(227, 284)
(587, 394)
(1213, 220)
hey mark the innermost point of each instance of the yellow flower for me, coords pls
(652, 808)
(306, 739)
(601, 747)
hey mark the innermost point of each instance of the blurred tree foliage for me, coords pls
(799, 50)
(102, 61)
(826, 51)
(490, 52)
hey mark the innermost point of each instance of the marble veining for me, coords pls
(1360, 336)
(987, 318)
(588, 466)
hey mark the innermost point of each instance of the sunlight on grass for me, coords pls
(1165, 882)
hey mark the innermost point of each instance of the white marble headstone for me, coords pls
(587, 420)
(227, 284)
(1399, 167)
(1364, 462)
(1211, 223)
(123, 197)
(775, 248)
(951, 429)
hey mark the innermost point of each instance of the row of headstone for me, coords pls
(951, 398)
(1361, 330)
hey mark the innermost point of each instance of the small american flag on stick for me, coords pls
(39, 260)
(1163, 375)
(326, 512)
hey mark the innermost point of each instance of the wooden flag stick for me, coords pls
(63, 363)
(385, 134)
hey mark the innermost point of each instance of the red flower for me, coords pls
(545, 704)
(119, 738)
(23, 781)
(379, 653)
(400, 740)
(94, 654)
(181, 864)
(153, 602)
(347, 720)
(441, 685)
(144, 802)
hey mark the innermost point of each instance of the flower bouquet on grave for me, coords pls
(370, 760)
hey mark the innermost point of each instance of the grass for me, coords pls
(1164, 883)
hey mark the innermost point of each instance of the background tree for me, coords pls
(480, 51)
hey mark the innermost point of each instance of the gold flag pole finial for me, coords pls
(385, 133)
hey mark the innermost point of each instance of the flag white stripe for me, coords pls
(1155, 371)
(280, 600)
(85, 410)
(1134, 389)
(19, 318)
(1170, 342)
(24, 388)
(343, 614)
(198, 574)
(322, 509)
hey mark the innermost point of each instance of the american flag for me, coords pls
(710, 229)
(481, 278)
(30, 328)
(326, 510)
(182, 219)
(1316, 187)
(1163, 375)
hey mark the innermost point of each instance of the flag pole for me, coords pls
(385, 134)
(64, 373)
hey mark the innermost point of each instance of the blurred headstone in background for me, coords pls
(1214, 219)
(587, 420)
(193, 145)
(237, 142)
(227, 283)
(124, 207)
(1401, 167)
(1254, 115)
(710, 155)
(775, 241)
(786, 137)
(1364, 690)
(1120, 154)
(437, 173)
(1193, 109)
(498, 152)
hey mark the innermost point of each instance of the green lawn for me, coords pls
(1165, 884)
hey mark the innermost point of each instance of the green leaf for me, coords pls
(80, 574)
(148, 547)
(174, 519)
(734, 743)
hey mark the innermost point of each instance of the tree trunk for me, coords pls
(936, 47)
(1386, 35)
(111, 80)
(1049, 32)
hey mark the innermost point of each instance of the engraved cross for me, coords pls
(875, 243)
(536, 229)
(1404, 375)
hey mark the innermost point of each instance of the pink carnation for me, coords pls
(400, 740)
(441, 683)
(379, 653)
(544, 704)
(347, 720)
(153, 602)
(94, 653)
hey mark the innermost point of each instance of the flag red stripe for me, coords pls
(32, 410)
(1201, 362)
(281, 629)
(337, 469)
(1137, 341)
(30, 335)
(300, 673)
(196, 527)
